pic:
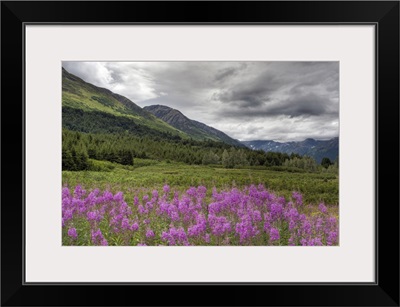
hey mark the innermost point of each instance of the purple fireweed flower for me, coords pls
(149, 233)
(219, 225)
(199, 228)
(167, 237)
(142, 244)
(173, 213)
(125, 224)
(298, 198)
(108, 196)
(274, 234)
(323, 208)
(257, 216)
(276, 211)
(155, 194)
(183, 205)
(216, 196)
(215, 208)
(267, 223)
(113, 212)
(317, 241)
(142, 210)
(98, 238)
(191, 191)
(94, 216)
(119, 197)
(166, 189)
(65, 193)
(201, 192)
(245, 229)
(332, 238)
(125, 209)
(66, 203)
(72, 233)
(175, 236)
(91, 200)
(149, 206)
(135, 226)
(79, 192)
(193, 231)
(330, 225)
(306, 226)
(162, 208)
(332, 221)
(67, 215)
(81, 207)
(319, 224)
(293, 214)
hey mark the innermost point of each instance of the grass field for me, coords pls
(147, 175)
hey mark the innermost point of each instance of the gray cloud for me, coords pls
(247, 100)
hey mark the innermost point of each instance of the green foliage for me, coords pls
(275, 158)
(101, 166)
(101, 122)
(103, 101)
(306, 163)
(74, 155)
(210, 158)
(326, 162)
(234, 158)
(333, 168)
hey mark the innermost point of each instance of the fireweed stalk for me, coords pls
(248, 216)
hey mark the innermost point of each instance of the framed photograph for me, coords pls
(240, 147)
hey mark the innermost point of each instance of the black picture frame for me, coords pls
(383, 14)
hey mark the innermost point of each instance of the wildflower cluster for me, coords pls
(249, 216)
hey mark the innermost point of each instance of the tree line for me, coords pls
(123, 148)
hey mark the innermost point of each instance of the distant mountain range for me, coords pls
(310, 147)
(195, 129)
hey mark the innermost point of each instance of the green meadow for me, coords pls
(147, 175)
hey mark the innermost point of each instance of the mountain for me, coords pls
(195, 129)
(89, 108)
(310, 147)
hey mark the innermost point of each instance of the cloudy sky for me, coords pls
(281, 101)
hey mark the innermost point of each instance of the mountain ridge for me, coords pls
(192, 127)
(316, 149)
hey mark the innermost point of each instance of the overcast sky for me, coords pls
(281, 101)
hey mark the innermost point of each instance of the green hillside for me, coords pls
(78, 94)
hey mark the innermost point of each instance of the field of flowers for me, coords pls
(248, 216)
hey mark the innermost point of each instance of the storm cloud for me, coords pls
(281, 101)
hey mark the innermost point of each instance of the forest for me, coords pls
(78, 148)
